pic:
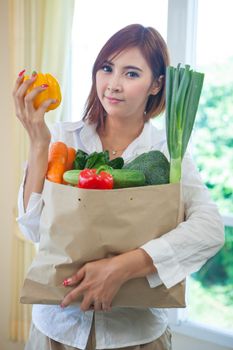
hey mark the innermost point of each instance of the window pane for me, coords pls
(211, 289)
(94, 23)
(213, 134)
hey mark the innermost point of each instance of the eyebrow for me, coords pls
(126, 67)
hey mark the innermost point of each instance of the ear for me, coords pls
(157, 85)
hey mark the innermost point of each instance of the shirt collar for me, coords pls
(92, 141)
(147, 140)
(73, 126)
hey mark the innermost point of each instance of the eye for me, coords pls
(106, 68)
(132, 74)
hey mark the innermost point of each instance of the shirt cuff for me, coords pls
(33, 201)
(29, 221)
(168, 267)
(154, 280)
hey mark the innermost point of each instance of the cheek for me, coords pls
(98, 83)
(101, 91)
(139, 92)
(101, 80)
(98, 90)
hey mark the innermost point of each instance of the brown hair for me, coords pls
(154, 50)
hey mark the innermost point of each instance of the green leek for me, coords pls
(183, 91)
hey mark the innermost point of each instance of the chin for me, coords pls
(114, 114)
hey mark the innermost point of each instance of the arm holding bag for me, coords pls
(79, 225)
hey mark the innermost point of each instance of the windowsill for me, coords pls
(203, 332)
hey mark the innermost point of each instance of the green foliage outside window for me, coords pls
(218, 271)
(211, 292)
(214, 140)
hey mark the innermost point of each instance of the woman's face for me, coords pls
(124, 84)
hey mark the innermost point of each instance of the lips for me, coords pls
(113, 99)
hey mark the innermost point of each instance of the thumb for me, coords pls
(44, 106)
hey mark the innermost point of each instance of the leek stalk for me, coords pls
(183, 91)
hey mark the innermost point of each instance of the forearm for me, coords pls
(134, 264)
(36, 172)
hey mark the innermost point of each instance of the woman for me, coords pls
(128, 89)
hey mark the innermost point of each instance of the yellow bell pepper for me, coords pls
(53, 91)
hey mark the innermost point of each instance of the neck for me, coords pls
(118, 130)
(118, 134)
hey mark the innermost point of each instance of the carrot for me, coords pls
(58, 154)
(70, 158)
(70, 161)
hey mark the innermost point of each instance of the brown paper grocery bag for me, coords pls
(80, 225)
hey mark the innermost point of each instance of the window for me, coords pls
(211, 289)
(198, 34)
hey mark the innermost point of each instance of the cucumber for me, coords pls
(71, 176)
(127, 178)
(122, 177)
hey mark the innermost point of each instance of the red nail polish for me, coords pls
(44, 86)
(65, 283)
(34, 74)
(22, 72)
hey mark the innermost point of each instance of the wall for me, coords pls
(7, 201)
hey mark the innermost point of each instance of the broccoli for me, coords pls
(154, 165)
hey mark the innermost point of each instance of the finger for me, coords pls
(44, 106)
(21, 92)
(19, 81)
(30, 97)
(18, 105)
(23, 85)
(106, 306)
(97, 305)
(72, 296)
(87, 304)
(75, 278)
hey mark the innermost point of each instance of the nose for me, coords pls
(113, 89)
(114, 84)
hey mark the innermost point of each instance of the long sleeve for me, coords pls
(186, 248)
(29, 220)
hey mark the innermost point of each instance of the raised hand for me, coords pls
(32, 119)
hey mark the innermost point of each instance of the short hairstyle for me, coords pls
(155, 52)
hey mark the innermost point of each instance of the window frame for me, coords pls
(181, 40)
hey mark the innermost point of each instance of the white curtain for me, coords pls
(41, 41)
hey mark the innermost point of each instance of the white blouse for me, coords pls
(175, 255)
